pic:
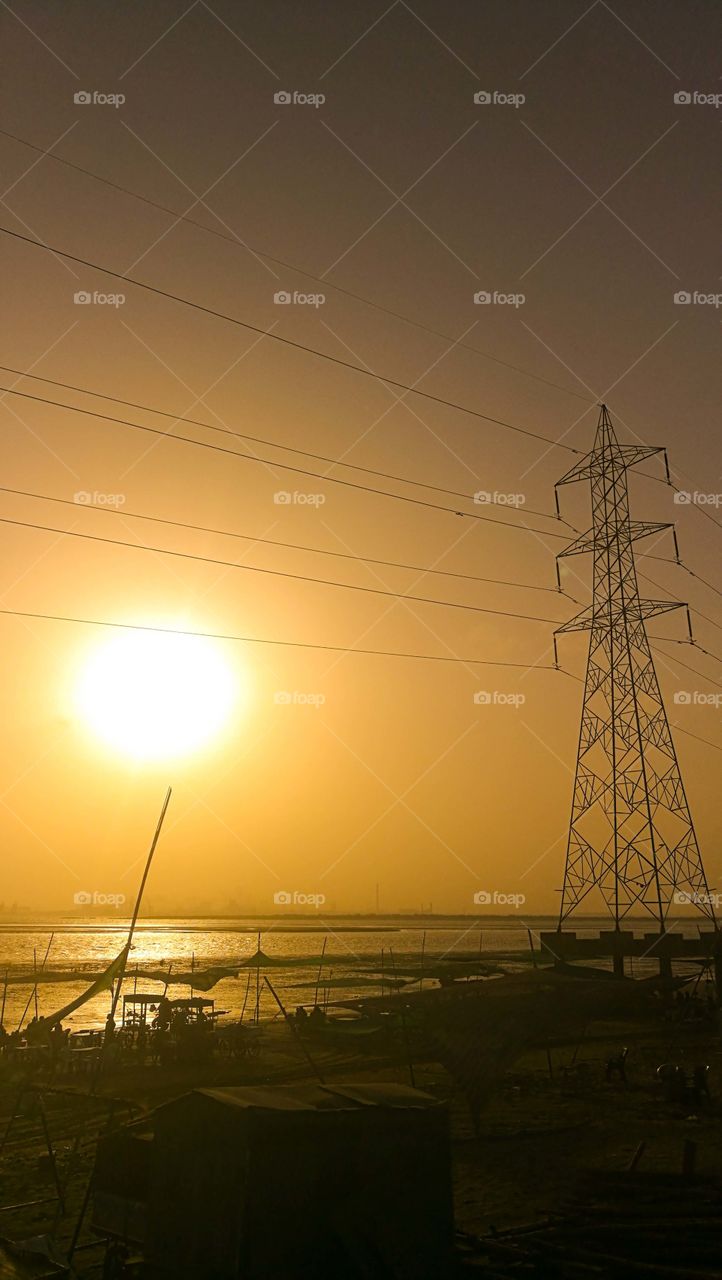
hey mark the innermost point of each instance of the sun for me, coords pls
(154, 695)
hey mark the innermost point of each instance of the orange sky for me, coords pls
(398, 777)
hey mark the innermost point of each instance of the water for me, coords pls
(353, 945)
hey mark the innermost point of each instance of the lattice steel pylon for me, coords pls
(631, 835)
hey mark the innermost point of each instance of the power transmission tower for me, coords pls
(631, 835)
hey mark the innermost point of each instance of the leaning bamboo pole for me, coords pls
(318, 976)
(34, 993)
(113, 1007)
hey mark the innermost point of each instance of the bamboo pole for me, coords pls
(423, 949)
(245, 998)
(258, 976)
(114, 1005)
(5, 996)
(138, 901)
(34, 992)
(320, 967)
(294, 1029)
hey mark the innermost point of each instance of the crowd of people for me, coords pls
(41, 1034)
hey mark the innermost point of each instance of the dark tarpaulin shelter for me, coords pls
(315, 1181)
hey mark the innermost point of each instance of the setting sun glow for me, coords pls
(154, 696)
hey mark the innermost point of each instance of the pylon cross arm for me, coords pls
(612, 614)
(631, 454)
(642, 528)
(597, 541)
(650, 608)
(628, 454)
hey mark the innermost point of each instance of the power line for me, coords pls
(696, 505)
(701, 507)
(335, 359)
(660, 587)
(275, 573)
(290, 644)
(706, 652)
(697, 737)
(273, 444)
(288, 342)
(283, 466)
(704, 581)
(269, 257)
(702, 675)
(273, 542)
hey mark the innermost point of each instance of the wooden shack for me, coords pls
(313, 1181)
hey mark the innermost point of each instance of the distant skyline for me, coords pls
(571, 237)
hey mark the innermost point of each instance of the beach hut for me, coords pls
(319, 1181)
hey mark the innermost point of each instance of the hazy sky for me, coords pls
(594, 199)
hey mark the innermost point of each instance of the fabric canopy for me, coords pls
(103, 983)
